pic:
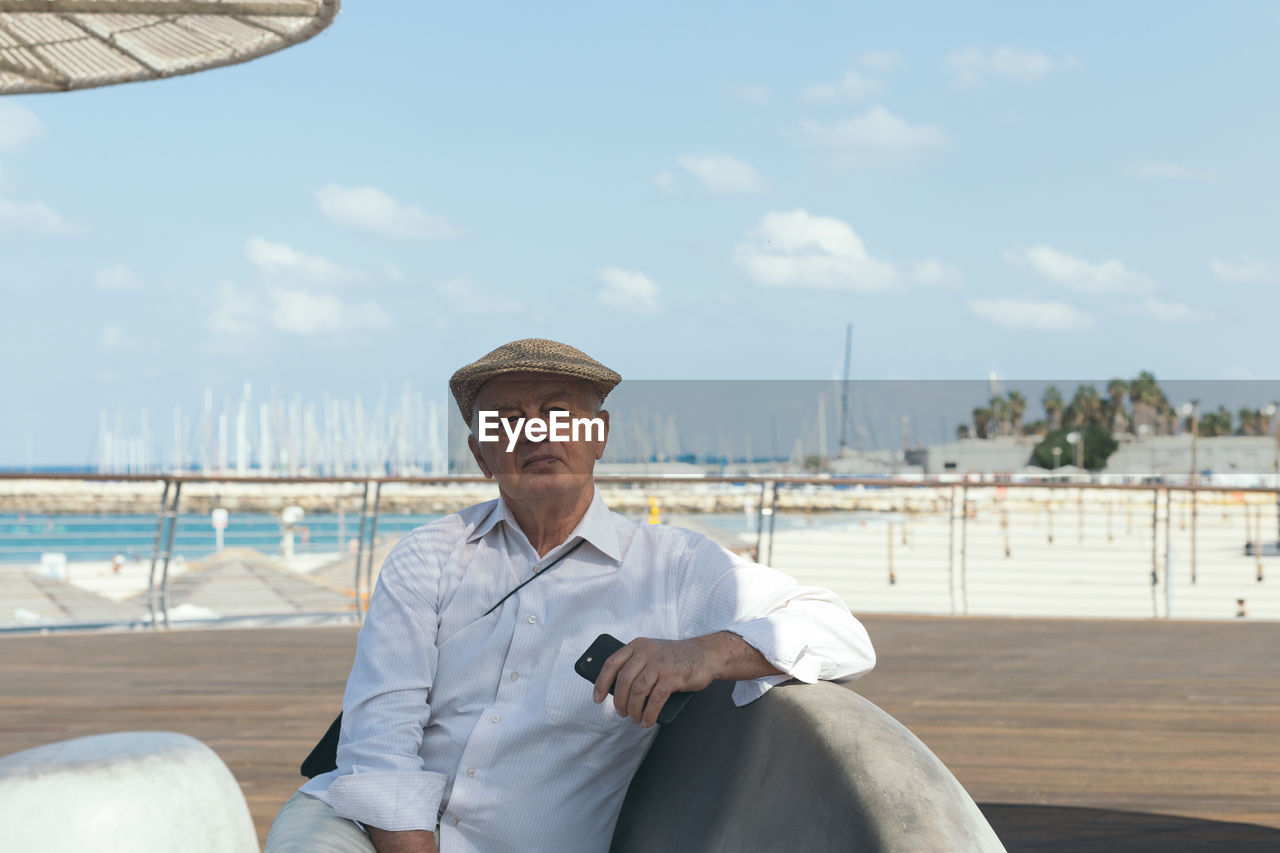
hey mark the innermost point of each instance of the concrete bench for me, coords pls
(807, 767)
(130, 792)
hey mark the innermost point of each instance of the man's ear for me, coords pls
(474, 446)
(603, 414)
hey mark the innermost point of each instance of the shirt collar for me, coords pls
(596, 526)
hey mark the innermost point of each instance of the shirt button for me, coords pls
(533, 620)
(495, 719)
(515, 676)
(471, 771)
(453, 821)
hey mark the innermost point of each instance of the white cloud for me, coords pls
(465, 297)
(723, 174)
(31, 217)
(282, 262)
(797, 249)
(628, 290)
(113, 337)
(1076, 274)
(371, 210)
(299, 312)
(971, 65)
(1164, 311)
(878, 130)
(935, 273)
(19, 126)
(1029, 314)
(118, 277)
(853, 87)
(1168, 171)
(665, 181)
(236, 312)
(391, 272)
(1248, 271)
(881, 60)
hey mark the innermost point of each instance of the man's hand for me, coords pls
(411, 841)
(646, 672)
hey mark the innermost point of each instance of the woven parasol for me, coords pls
(56, 45)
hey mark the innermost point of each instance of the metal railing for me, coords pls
(962, 547)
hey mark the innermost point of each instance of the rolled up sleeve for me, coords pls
(380, 779)
(805, 632)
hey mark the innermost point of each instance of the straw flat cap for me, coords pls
(531, 355)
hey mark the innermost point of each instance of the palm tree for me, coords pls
(1052, 402)
(1117, 417)
(1150, 407)
(1017, 407)
(982, 422)
(1085, 409)
(999, 414)
(962, 431)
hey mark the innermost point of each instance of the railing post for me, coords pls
(155, 554)
(1155, 551)
(364, 516)
(1194, 524)
(951, 550)
(373, 538)
(168, 551)
(773, 516)
(760, 514)
(964, 549)
(893, 579)
(1168, 552)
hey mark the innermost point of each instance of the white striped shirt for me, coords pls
(482, 724)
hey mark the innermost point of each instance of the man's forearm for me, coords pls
(411, 841)
(734, 659)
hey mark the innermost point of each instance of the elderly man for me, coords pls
(465, 726)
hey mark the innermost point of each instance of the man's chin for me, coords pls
(536, 484)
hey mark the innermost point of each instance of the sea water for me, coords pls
(25, 536)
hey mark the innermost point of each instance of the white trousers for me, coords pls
(306, 825)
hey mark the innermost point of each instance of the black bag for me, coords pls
(324, 756)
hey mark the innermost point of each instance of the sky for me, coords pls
(685, 192)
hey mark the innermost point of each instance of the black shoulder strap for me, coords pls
(324, 755)
(548, 567)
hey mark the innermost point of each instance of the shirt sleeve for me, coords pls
(380, 780)
(806, 632)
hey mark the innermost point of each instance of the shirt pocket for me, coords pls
(569, 700)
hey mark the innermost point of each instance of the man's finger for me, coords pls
(640, 688)
(658, 697)
(623, 686)
(609, 672)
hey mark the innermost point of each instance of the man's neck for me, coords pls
(549, 522)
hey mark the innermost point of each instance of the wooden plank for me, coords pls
(1071, 733)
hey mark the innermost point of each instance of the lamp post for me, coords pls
(1077, 439)
(1057, 457)
(1274, 426)
(1192, 410)
(1143, 429)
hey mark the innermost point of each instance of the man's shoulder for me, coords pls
(447, 529)
(669, 538)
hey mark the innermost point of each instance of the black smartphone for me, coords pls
(592, 661)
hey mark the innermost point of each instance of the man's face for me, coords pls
(536, 470)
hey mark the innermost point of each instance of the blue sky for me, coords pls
(1039, 190)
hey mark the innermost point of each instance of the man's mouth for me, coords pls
(542, 460)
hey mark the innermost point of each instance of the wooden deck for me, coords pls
(1072, 735)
